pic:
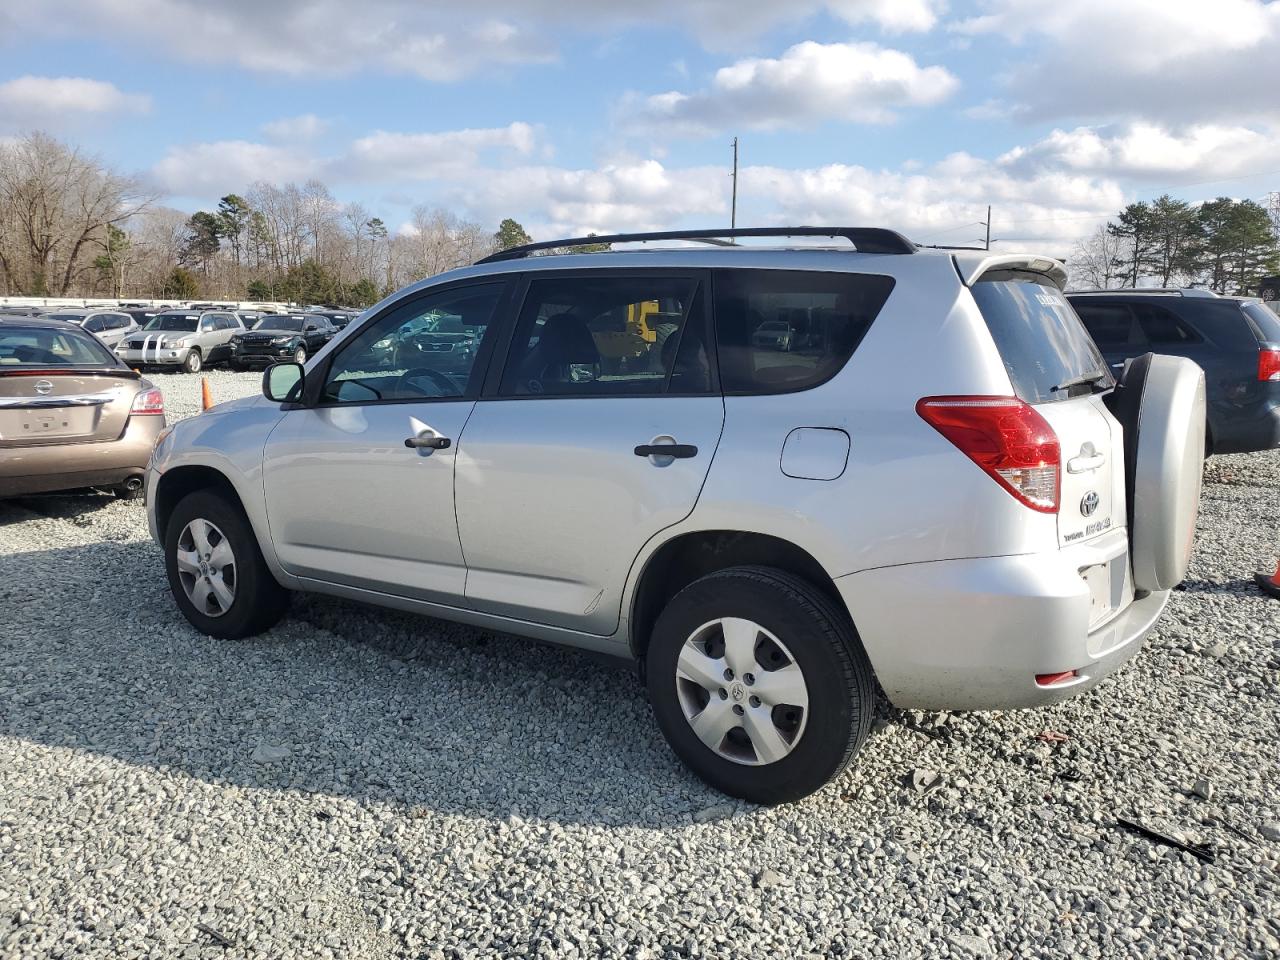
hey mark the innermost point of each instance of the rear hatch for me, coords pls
(1055, 367)
(59, 387)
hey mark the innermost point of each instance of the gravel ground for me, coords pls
(365, 784)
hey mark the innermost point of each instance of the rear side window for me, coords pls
(1263, 320)
(1162, 327)
(1044, 345)
(779, 331)
(1110, 324)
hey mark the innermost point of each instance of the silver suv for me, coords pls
(939, 487)
(190, 339)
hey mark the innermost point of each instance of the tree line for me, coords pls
(1226, 245)
(70, 225)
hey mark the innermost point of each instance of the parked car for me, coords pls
(22, 311)
(182, 338)
(940, 498)
(71, 414)
(293, 336)
(1235, 340)
(143, 315)
(109, 326)
(772, 335)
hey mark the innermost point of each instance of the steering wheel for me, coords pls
(443, 382)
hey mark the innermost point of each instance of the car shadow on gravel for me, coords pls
(338, 701)
(64, 506)
(1247, 587)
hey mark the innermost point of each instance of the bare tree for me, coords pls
(56, 203)
(1096, 261)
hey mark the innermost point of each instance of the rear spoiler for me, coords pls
(971, 266)
(125, 372)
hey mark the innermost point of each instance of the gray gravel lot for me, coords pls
(366, 784)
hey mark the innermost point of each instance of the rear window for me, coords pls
(779, 331)
(1265, 322)
(1044, 345)
(51, 347)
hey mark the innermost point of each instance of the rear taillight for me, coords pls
(149, 402)
(1007, 439)
(1268, 365)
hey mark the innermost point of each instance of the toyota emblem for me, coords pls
(44, 387)
(1089, 503)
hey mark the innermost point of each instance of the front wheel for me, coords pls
(759, 684)
(300, 355)
(216, 570)
(194, 361)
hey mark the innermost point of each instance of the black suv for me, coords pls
(1235, 339)
(283, 337)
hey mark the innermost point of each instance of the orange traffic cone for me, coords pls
(206, 395)
(1269, 584)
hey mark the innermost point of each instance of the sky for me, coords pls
(577, 116)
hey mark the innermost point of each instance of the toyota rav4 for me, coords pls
(940, 487)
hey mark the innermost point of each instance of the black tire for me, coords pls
(823, 644)
(126, 492)
(300, 355)
(259, 602)
(194, 361)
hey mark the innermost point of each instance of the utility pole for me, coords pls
(733, 209)
(988, 226)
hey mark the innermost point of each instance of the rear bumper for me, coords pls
(1248, 430)
(974, 634)
(46, 469)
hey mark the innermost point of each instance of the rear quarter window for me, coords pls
(1041, 340)
(779, 331)
(1263, 320)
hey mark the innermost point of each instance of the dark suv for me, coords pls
(1236, 341)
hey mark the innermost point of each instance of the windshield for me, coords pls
(293, 324)
(173, 322)
(50, 347)
(1044, 345)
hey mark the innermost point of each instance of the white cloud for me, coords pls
(307, 126)
(212, 169)
(1174, 60)
(426, 156)
(48, 101)
(436, 41)
(809, 84)
(1147, 151)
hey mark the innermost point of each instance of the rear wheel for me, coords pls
(194, 361)
(216, 570)
(759, 684)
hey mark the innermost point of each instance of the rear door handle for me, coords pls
(428, 442)
(1085, 464)
(680, 451)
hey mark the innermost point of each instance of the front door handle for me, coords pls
(679, 451)
(428, 442)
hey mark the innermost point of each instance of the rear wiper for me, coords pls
(1090, 378)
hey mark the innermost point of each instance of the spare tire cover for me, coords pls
(1160, 402)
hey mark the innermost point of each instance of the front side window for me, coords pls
(425, 349)
(783, 330)
(608, 336)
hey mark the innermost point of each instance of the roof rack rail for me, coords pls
(864, 239)
(1149, 291)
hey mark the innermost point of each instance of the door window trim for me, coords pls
(704, 290)
(481, 369)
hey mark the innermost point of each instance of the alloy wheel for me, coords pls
(206, 568)
(742, 692)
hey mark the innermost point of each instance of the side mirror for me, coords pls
(282, 382)
(310, 328)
